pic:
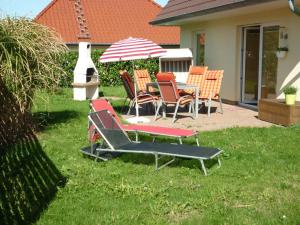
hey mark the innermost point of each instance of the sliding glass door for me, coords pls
(251, 65)
(259, 63)
(269, 61)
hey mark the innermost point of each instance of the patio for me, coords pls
(233, 116)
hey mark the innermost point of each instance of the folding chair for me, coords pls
(211, 88)
(196, 76)
(142, 77)
(170, 95)
(142, 98)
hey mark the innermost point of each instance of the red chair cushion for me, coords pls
(167, 76)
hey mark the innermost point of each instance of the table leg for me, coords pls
(164, 110)
(197, 102)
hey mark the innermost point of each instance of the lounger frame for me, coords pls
(157, 154)
(154, 134)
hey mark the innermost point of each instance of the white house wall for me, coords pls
(223, 47)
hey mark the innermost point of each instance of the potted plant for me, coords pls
(281, 52)
(290, 95)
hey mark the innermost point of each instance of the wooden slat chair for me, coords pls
(211, 88)
(170, 94)
(196, 76)
(142, 77)
(142, 98)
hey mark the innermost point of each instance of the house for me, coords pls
(242, 37)
(103, 22)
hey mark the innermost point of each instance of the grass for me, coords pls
(118, 91)
(258, 183)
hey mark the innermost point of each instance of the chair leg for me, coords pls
(221, 105)
(192, 105)
(203, 167)
(154, 106)
(209, 106)
(136, 136)
(153, 139)
(180, 140)
(157, 110)
(175, 113)
(197, 140)
(129, 106)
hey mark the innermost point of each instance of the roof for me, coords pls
(104, 22)
(181, 9)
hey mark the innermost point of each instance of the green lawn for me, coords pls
(258, 183)
(113, 91)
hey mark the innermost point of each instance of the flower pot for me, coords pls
(290, 99)
(280, 54)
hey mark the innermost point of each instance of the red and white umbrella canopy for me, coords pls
(132, 49)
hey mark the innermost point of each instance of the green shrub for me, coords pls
(29, 59)
(68, 60)
(290, 90)
(108, 72)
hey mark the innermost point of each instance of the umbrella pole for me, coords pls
(135, 92)
(136, 119)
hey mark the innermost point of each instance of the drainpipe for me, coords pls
(293, 7)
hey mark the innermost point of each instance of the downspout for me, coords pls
(293, 7)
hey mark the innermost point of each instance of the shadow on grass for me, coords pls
(28, 181)
(146, 109)
(44, 119)
(28, 178)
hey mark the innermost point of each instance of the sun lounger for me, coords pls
(116, 140)
(103, 104)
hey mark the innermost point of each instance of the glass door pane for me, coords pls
(200, 49)
(251, 64)
(269, 62)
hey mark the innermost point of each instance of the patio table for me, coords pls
(182, 86)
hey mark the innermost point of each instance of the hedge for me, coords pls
(108, 72)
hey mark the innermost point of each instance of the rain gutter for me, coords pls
(237, 4)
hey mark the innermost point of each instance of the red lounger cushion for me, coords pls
(159, 130)
(103, 104)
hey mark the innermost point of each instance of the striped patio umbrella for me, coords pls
(131, 49)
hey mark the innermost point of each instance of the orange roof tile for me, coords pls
(106, 21)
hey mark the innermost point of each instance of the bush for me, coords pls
(108, 72)
(29, 59)
(68, 64)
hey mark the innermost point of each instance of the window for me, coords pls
(200, 51)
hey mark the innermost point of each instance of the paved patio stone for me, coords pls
(233, 116)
